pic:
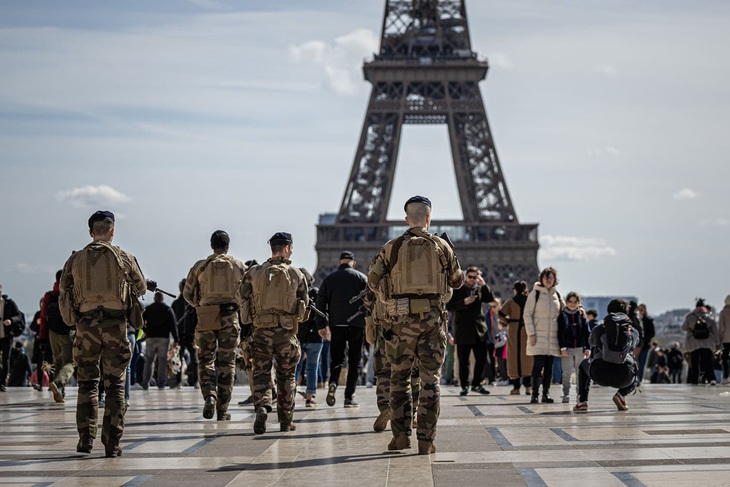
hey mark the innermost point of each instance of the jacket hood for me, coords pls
(539, 287)
(618, 317)
(727, 300)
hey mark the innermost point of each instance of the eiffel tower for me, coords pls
(427, 73)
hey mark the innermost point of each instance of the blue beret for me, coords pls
(417, 199)
(347, 255)
(99, 216)
(280, 238)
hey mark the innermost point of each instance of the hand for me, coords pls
(450, 338)
(587, 354)
(325, 333)
(151, 285)
(7, 322)
(563, 353)
(481, 281)
(469, 300)
(533, 340)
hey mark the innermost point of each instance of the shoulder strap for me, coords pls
(394, 251)
(118, 257)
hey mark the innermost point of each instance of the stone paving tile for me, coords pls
(673, 435)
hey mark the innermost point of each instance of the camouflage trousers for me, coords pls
(62, 349)
(217, 348)
(382, 369)
(282, 346)
(102, 340)
(416, 343)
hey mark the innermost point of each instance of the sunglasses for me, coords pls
(471, 277)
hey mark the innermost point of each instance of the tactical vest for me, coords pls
(274, 297)
(219, 279)
(418, 266)
(99, 279)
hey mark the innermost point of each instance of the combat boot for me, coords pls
(223, 416)
(535, 389)
(381, 421)
(401, 442)
(113, 452)
(85, 445)
(284, 427)
(259, 425)
(426, 447)
(209, 408)
(57, 396)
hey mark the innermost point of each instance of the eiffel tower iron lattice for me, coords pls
(427, 73)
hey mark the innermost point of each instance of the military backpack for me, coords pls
(418, 266)
(99, 279)
(275, 298)
(219, 279)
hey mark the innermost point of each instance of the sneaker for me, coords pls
(137, 387)
(620, 402)
(310, 403)
(514, 392)
(480, 389)
(713, 383)
(57, 396)
(331, 395)
(259, 425)
(209, 408)
(351, 403)
(581, 407)
(566, 399)
(102, 404)
(381, 421)
(464, 391)
(37, 387)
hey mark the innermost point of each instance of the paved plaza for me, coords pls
(672, 435)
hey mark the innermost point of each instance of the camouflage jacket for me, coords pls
(191, 293)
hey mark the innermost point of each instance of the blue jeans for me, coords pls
(133, 345)
(324, 368)
(312, 350)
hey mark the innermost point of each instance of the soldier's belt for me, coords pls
(410, 306)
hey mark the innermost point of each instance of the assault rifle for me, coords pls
(152, 286)
(319, 312)
(361, 310)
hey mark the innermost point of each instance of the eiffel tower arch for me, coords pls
(427, 73)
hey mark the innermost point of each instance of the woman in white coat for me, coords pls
(542, 308)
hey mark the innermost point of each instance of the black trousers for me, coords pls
(187, 342)
(351, 337)
(618, 376)
(701, 367)
(542, 365)
(725, 360)
(480, 360)
(5, 344)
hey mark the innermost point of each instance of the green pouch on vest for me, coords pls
(420, 306)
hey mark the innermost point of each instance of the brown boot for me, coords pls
(402, 442)
(426, 447)
(381, 421)
(283, 427)
(57, 396)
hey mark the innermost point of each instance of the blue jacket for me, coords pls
(573, 330)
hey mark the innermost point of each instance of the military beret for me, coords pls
(280, 238)
(219, 239)
(100, 216)
(417, 199)
(347, 255)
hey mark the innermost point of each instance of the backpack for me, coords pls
(219, 279)
(99, 278)
(275, 290)
(417, 267)
(701, 331)
(53, 316)
(617, 341)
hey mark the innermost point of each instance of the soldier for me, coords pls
(97, 290)
(274, 297)
(211, 288)
(412, 277)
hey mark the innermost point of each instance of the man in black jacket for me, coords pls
(11, 321)
(334, 299)
(187, 320)
(470, 329)
(159, 323)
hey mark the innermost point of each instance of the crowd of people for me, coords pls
(414, 332)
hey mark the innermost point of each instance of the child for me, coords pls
(573, 339)
(612, 363)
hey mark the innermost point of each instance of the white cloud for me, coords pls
(602, 151)
(605, 69)
(574, 248)
(341, 59)
(686, 194)
(500, 60)
(89, 196)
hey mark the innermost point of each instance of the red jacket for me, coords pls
(43, 328)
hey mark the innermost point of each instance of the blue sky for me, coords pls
(187, 116)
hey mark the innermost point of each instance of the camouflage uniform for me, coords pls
(382, 371)
(414, 337)
(274, 345)
(101, 336)
(224, 340)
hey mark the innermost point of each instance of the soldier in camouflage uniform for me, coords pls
(96, 289)
(274, 297)
(211, 288)
(411, 277)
